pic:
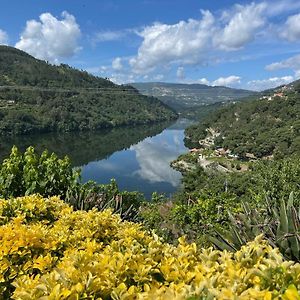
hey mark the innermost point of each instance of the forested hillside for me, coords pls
(38, 97)
(264, 127)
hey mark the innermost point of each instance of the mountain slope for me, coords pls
(266, 126)
(184, 96)
(38, 97)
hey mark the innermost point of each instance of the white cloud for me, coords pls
(109, 35)
(154, 162)
(3, 37)
(196, 40)
(292, 63)
(203, 81)
(282, 6)
(158, 77)
(122, 78)
(230, 81)
(291, 30)
(264, 84)
(242, 27)
(180, 73)
(227, 81)
(117, 64)
(184, 41)
(97, 70)
(50, 39)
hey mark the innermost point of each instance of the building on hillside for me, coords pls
(250, 156)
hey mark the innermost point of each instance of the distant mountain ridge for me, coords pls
(36, 96)
(181, 96)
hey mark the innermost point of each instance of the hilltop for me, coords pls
(182, 97)
(36, 96)
(267, 127)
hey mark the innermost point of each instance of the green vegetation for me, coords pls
(201, 207)
(45, 174)
(38, 97)
(265, 127)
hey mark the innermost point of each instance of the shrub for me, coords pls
(48, 175)
(94, 255)
(29, 173)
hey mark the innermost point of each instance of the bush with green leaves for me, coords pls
(29, 173)
(196, 219)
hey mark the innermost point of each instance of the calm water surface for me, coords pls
(138, 158)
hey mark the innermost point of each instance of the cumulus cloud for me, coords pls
(291, 31)
(193, 41)
(184, 41)
(242, 27)
(154, 161)
(282, 6)
(117, 64)
(227, 81)
(180, 73)
(292, 63)
(3, 37)
(231, 80)
(264, 84)
(158, 77)
(49, 38)
(203, 81)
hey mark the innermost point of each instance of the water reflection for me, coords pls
(138, 158)
(155, 154)
(82, 147)
(145, 166)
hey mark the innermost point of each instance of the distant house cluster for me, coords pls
(278, 93)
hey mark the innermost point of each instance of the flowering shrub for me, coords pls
(49, 251)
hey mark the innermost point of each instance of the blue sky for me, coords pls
(244, 44)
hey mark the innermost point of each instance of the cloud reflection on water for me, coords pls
(154, 156)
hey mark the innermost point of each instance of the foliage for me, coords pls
(273, 179)
(206, 197)
(209, 212)
(261, 127)
(38, 97)
(276, 179)
(280, 226)
(56, 253)
(29, 173)
(195, 218)
(48, 175)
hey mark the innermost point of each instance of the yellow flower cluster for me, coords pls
(48, 251)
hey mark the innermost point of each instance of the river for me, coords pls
(137, 157)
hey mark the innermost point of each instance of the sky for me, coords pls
(241, 44)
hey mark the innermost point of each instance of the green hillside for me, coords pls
(264, 127)
(182, 97)
(38, 97)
